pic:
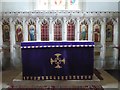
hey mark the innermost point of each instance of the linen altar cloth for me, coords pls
(57, 60)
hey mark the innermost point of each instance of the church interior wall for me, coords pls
(17, 6)
(101, 6)
(22, 13)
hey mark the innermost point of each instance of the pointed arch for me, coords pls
(57, 30)
(96, 31)
(84, 30)
(31, 30)
(71, 30)
(6, 31)
(44, 30)
(6, 39)
(18, 31)
(109, 30)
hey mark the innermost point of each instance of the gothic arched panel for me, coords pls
(71, 30)
(58, 31)
(6, 31)
(31, 33)
(109, 31)
(96, 32)
(84, 31)
(44, 31)
(19, 33)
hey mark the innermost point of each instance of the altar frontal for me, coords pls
(57, 60)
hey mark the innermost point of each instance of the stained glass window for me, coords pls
(57, 4)
(45, 31)
(71, 30)
(57, 30)
(42, 5)
(73, 4)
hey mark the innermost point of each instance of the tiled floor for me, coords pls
(109, 81)
(8, 76)
(115, 73)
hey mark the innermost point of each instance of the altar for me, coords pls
(57, 60)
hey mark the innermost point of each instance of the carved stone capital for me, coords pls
(37, 19)
(104, 19)
(117, 19)
(91, 19)
(0, 22)
(64, 19)
(10, 20)
(77, 19)
(23, 19)
(50, 19)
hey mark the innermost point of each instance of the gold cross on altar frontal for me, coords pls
(57, 60)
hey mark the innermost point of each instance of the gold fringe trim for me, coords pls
(74, 77)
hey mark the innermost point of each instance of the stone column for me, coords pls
(64, 29)
(51, 31)
(1, 54)
(1, 38)
(90, 29)
(103, 37)
(1, 44)
(77, 29)
(12, 41)
(115, 39)
(38, 30)
(25, 29)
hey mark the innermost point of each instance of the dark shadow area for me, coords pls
(115, 73)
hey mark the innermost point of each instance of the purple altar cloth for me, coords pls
(57, 60)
